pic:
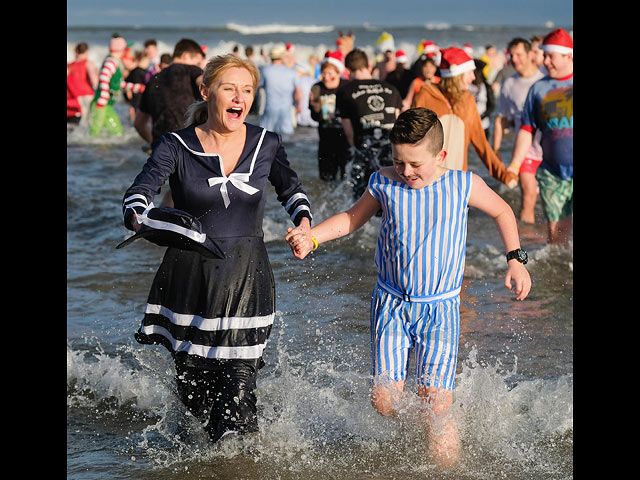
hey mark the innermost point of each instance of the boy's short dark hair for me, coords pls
(356, 59)
(186, 45)
(418, 124)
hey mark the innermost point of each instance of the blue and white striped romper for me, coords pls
(420, 256)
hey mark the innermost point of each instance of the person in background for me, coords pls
(483, 95)
(135, 64)
(425, 70)
(169, 93)
(304, 118)
(151, 50)
(82, 81)
(333, 149)
(214, 315)
(494, 61)
(401, 77)
(281, 85)
(165, 61)
(110, 84)
(456, 109)
(549, 108)
(413, 308)
(536, 41)
(512, 96)
(505, 72)
(367, 107)
(382, 68)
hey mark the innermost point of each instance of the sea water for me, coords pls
(514, 384)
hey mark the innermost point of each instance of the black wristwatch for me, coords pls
(519, 255)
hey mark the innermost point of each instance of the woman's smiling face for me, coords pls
(230, 98)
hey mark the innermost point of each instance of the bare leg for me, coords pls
(559, 231)
(442, 431)
(383, 397)
(529, 187)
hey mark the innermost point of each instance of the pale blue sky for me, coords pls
(326, 12)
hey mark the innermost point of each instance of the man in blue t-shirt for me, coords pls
(549, 108)
(282, 87)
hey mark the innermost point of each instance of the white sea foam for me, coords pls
(278, 28)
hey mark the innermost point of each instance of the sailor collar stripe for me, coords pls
(238, 180)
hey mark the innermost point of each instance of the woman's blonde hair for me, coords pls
(198, 111)
(453, 88)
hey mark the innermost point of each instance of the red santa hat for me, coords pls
(335, 59)
(429, 48)
(290, 48)
(468, 48)
(455, 61)
(557, 41)
(401, 57)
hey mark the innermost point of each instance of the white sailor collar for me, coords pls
(238, 180)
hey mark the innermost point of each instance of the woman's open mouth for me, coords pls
(235, 112)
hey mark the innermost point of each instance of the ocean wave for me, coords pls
(277, 28)
(437, 26)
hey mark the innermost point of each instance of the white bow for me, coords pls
(238, 180)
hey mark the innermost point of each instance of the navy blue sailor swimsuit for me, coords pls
(206, 310)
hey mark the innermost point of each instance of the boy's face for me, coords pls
(558, 64)
(416, 165)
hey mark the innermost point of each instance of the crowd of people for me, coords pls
(340, 97)
(405, 129)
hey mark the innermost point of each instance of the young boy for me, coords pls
(420, 256)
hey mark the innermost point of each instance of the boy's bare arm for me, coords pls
(485, 199)
(338, 225)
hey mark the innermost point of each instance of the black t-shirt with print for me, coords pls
(167, 97)
(371, 106)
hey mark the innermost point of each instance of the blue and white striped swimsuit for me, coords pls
(420, 256)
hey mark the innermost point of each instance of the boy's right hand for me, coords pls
(299, 241)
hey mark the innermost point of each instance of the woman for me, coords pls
(426, 70)
(456, 109)
(215, 315)
(333, 149)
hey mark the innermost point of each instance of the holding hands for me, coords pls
(300, 239)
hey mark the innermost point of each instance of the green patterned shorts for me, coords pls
(556, 195)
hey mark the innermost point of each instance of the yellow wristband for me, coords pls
(315, 243)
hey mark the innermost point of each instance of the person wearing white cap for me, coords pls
(456, 108)
(549, 108)
(281, 85)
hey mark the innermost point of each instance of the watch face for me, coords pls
(522, 256)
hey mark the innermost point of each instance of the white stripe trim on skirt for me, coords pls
(249, 352)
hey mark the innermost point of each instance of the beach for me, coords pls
(514, 380)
